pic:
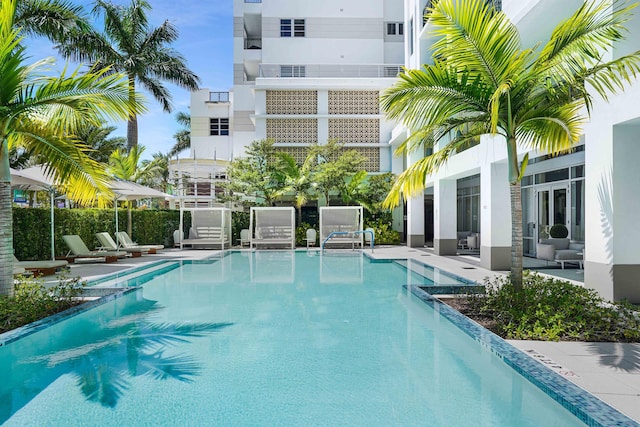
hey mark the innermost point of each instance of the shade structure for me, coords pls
(128, 190)
(35, 179)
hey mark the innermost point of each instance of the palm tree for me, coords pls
(130, 46)
(124, 165)
(55, 19)
(38, 113)
(183, 136)
(99, 140)
(297, 179)
(483, 81)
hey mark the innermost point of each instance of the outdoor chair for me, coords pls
(78, 249)
(311, 237)
(126, 243)
(560, 250)
(108, 244)
(40, 268)
(245, 237)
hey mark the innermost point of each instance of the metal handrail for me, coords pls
(352, 233)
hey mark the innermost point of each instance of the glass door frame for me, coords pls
(550, 188)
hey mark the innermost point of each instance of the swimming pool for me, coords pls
(273, 338)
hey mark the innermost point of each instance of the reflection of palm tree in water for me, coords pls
(128, 343)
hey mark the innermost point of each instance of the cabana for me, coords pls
(272, 226)
(210, 227)
(341, 223)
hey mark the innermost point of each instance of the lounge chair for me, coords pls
(40, 268)
(126, 243)
(107, 244)
(78, 249)
(311, 238)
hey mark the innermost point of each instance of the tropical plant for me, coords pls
(375, 191)
(55, 19)
(38, 113)
(483, 82)
(183, 135)
(129, 45)
(558, 231)
(99, 140)
(352, 189)
(255, 175)
(335, 166)
(297, 180)
(156, 172)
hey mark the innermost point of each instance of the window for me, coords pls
(218, 126)
(292, 71)
(292, 28)
(395, 28)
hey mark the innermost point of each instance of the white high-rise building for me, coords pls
(593, 190)
(304, 72)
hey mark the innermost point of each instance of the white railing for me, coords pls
(329, 70)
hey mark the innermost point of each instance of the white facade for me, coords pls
(593, 191)
(307, 72)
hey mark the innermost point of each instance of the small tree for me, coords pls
(334, 166)
(297, 180)
(256, 175)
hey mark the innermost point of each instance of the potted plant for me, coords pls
(558, 231)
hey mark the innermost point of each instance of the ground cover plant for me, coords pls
(549, 309)
(33, 301)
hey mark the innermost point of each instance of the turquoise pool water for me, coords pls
(267, 338)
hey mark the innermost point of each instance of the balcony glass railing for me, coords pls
(218, 96)
(329, 70)
(253, 1)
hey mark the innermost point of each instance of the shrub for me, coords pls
(33, 301)
(551, 310)
(558, 231)
(301, 234)
(384, 233)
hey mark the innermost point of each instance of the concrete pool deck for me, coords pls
(610, 371)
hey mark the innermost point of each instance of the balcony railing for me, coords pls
(253, 43)
(329, 70)
(218, 96)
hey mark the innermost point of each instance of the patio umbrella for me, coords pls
(35, 179)
(128, 190)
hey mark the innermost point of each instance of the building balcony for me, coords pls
(329, 70)
(218, 97)
(253, 43)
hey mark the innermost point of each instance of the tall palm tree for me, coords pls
(55, 19)
(38, 113)
(483, 81)
(99, 140)
(183, 135)
(125, 165)
(130, 46)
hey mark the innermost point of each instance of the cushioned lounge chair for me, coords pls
(78, 249)
(40, 268)
(108, 244)
(126, 243)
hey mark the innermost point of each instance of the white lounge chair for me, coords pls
(126, 243)
(311, 238)
(108, 244)
(210, 227)
(245, 237)
(40, 268)
(78, 249)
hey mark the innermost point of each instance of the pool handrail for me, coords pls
(353, 233)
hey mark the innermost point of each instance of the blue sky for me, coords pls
(205, 40)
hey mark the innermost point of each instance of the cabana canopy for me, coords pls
(209, 227)
(272, 226)
(343, 220)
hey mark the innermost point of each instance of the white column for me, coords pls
(415, 211)
(612, 204)
(445, 241)
(495, 216)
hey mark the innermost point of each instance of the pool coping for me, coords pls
(584, 405)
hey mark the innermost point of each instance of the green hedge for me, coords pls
(31, 228)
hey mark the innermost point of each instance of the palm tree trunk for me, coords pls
(129, 220)
(132, 124)
(299, 209)
(516, 235)
(6, 225)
